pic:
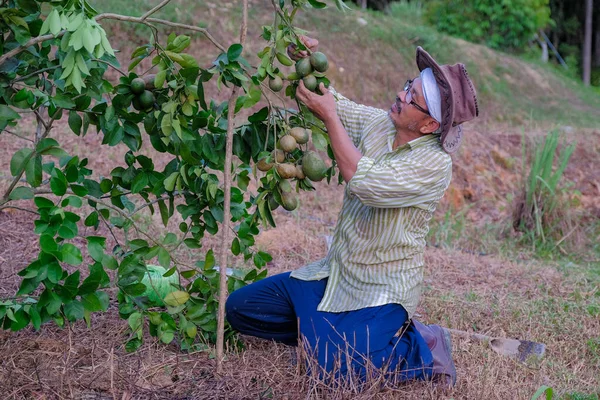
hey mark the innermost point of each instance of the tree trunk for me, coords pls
(587, 43)
(597, 46)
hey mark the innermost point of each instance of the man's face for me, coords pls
(409, 111)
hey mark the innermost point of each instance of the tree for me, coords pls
(587, 42)
(54, 62)
(506, 25)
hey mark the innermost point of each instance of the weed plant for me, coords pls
(542, 212)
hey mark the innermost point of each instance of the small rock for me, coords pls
(361, 21)
(567, 129)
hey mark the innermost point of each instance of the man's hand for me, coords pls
(310, 43)
(322, 106)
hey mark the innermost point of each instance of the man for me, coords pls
(353, 309)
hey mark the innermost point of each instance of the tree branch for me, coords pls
(225, 237)
(22, 78)
(155, 9)
(19, 208)
(17, 135)
(144, 19)
(110, 65)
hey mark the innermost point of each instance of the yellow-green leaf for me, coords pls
(176, 298)
(283, 59)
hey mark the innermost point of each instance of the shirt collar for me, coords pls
(415, 143)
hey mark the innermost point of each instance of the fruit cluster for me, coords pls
(310, 166)
(143, 99)
(309, 69)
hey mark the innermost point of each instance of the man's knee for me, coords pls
(232, 308)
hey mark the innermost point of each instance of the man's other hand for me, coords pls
(296, 54)
(322, 106)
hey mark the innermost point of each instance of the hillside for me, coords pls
(479, 274)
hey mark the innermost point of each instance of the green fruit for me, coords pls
(310, 82)
(136, 104)
(147, 99)
(276, 84)
(286, 171)
(289, 201)
(157, 286)
(138, 86)
(285, 186)
(273, 204)
(313, 166)
(263, 165)
(303, 67)
(300, 134)
(319, 61)
(287, 143)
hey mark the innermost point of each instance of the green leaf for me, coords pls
(139, 182)
(55, 272)
(96, 247)
(209, 261)
(75, 122)
(169, 183)
(91, 302)
(73, 201)
(36, 319)
(133, 344)
(317, 4)
(17, 161)
(33, 171)
(7, 113)
(71, 283)
(21, 193)
(170, 238)
(164, 258)
(29, 6)
(92, 219)
(234, 51)
(235, 247)
(91, 283)
(74, 310)
(71, 254)
(164, 212)
(58, 183)
(543, 390)
(167, 337)
(159, 79)
(135, 321)
(110, 262)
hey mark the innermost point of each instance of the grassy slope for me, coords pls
(554, 302)
(377, 58)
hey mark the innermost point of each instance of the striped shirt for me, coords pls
(376, 256)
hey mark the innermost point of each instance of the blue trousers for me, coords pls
(363, 342)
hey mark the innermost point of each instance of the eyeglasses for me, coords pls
(409, 98)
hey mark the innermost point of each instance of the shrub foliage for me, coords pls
(506, 24)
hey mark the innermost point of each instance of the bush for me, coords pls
(507, 24)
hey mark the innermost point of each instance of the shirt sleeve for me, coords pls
(400, 183)
(352, 115)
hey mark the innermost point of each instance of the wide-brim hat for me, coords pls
(458, 95)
